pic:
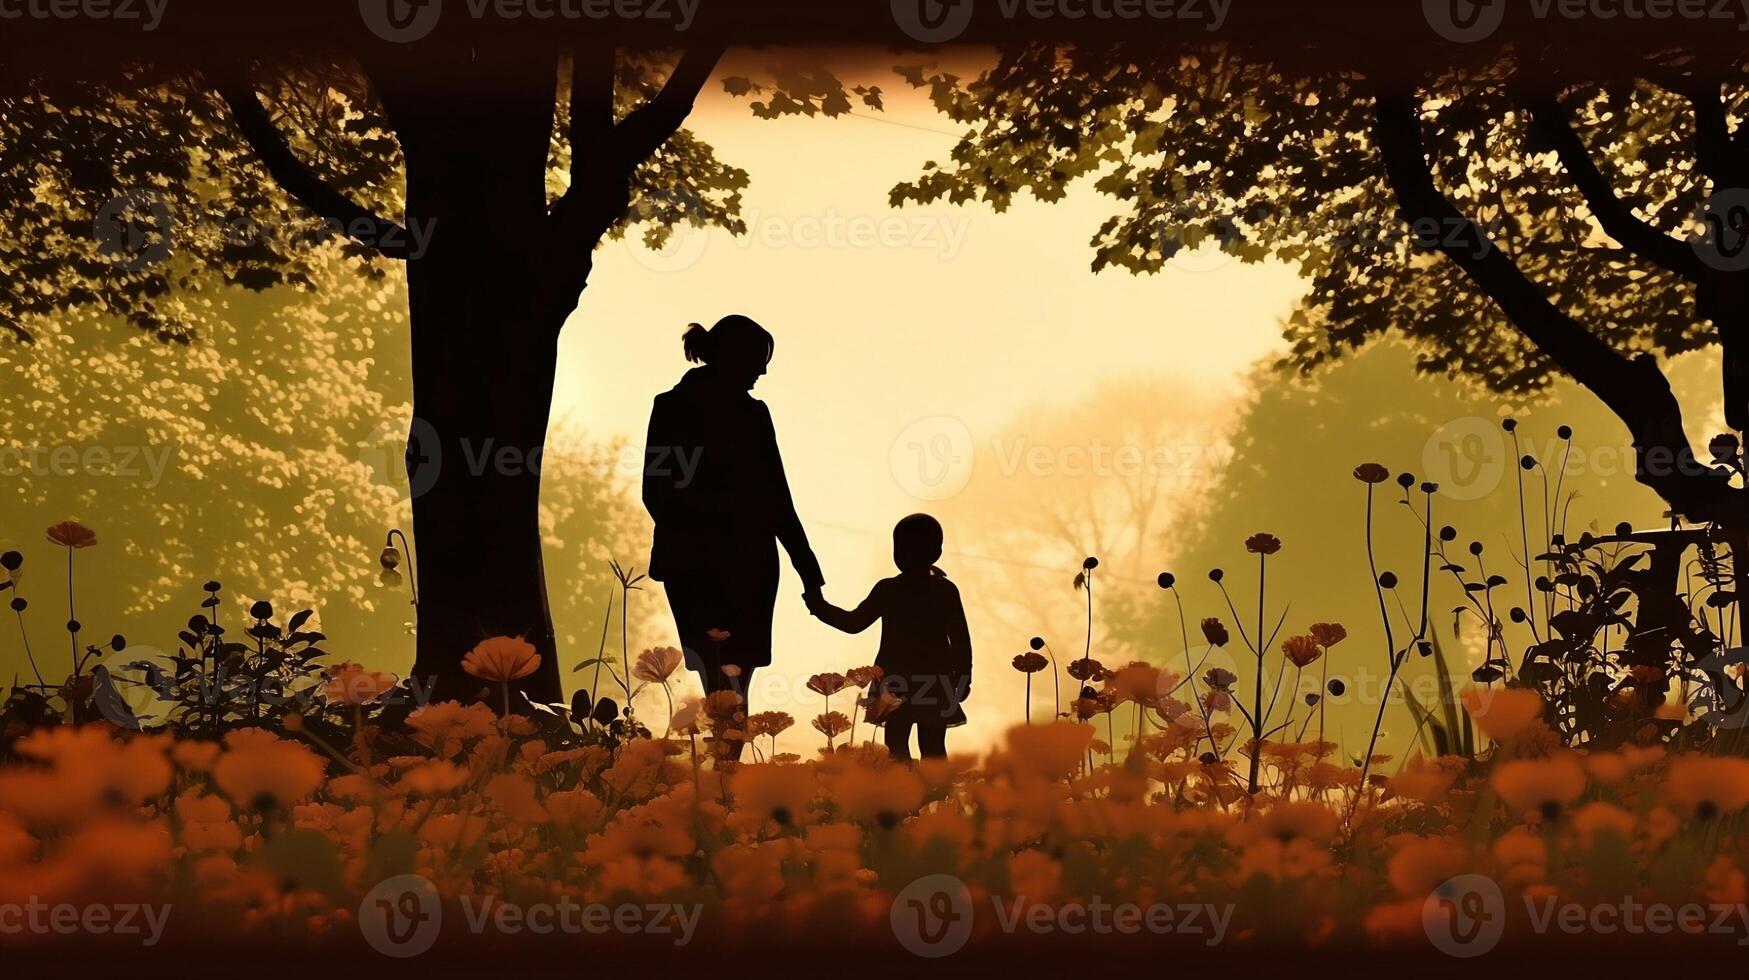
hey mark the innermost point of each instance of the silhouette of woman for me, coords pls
(714, 483)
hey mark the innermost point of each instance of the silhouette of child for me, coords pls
(925, 652)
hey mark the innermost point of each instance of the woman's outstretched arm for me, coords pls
(789, 525)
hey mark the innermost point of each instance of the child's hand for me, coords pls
(814, 600)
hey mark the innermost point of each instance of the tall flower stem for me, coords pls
(25, 636)
(72, 619)
(1257, 685)
(1056, 684)
(600, 655)
(1190, 674)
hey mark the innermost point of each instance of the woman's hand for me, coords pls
(814, 600)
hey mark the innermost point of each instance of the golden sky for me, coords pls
(900, 334)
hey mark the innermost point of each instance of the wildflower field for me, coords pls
(1585, 793)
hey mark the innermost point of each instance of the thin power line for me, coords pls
(894, 122)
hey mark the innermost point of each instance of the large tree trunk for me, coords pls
(486, 313)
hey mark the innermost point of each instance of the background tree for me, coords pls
(508, 164)
(1513, 223)
(265, 454)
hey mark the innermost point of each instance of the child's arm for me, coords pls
(850, 620)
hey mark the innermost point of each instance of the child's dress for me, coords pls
(926, 650)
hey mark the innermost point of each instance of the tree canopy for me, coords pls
(1209, 148)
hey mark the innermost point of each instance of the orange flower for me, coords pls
(1139, 682)
(84, 772)
(1541, 786)
(832, 724)
(1371, 473)
(879, 795)
(780, 794)
(72, 534)
(826, 685)
(1709, 785)
(195, 756)
(352, 684)
(1214, 632)
(1034, 876)
(769, 723)
(1263, 543)
(876, 708)
(436, 777)
(1029, 662)
(1086, 669)
(1301, 651)
(1051, 751)
(1502, 713)
(1420, 864)
(656, 665)
(260, 769)
(1523, 857)
(863, 676)
(1328, 634)
(1597, 819)
(502, 659)
(444, 727)
(1302, 819)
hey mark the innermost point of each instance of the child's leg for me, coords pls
(932, 741)
(899, 739)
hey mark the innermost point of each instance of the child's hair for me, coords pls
(734, 338)
(917, 543)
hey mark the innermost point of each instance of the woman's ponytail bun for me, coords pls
(696, 340)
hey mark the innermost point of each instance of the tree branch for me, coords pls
(591, 120)
(1719, 158)
(600, 188)
(1634, 389)
(1553, 122)
(350, 219)
(644, 131)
